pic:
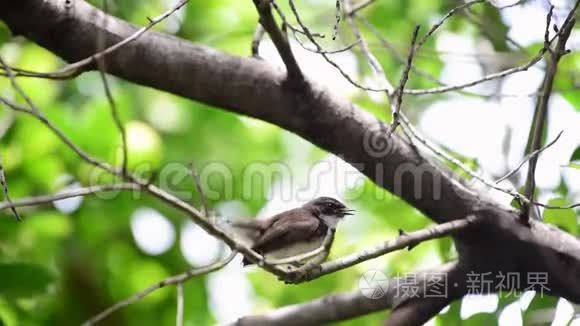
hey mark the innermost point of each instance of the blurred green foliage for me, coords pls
(59, 268)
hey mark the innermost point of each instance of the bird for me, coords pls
(297, 231)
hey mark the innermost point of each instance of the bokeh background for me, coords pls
(69, 260)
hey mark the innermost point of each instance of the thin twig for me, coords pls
(445, 17)
(448, 158)
(319, 48)
(358, 7)
(39, 116)
(176, 279)
(74, 69)
(547, 29)
(286, 23)
(101, 63)
(197, 183)
(11, 75)
(5, 190)
(398, 94)
(339, 50)
(68, 193)
(337, 22)
(510, 71)
(371, 59)
(528, 157)
(557, 207)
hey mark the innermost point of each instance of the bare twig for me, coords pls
(358, 7)
(116, 118)
(39, 116)
(68, 193)
(319, 49)
(557, 207)
(337, 22)
(528, 157)
(74, 69)
(4, 126)
(397, 98)
(5, 190)
(101, 63)
(448, 158)
(339, 50)
(547, 29)
(176, 279)
(203, 198)
(447, 16)
(371, 59)
(10, 74)
(507, 72)
(286, 23)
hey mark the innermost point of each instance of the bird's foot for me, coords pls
(300, 274)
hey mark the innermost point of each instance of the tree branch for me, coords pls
(280, 41)
(539, 122)
(343, 306)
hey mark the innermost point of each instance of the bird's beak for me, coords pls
(347, 211)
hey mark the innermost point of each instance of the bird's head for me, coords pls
(328, 207)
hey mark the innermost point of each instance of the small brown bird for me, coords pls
(297, 231)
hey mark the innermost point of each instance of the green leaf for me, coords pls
(515, 203)
(575, 155)
(480, 319)
(452, 316)
(23, 280)
(564, 218)
(534, 312)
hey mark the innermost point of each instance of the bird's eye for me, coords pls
(329, 204)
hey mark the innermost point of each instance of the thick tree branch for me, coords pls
(343, 306)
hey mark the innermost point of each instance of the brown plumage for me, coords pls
(304, 226)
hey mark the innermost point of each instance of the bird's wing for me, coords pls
(258, 225)
(287, 229)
